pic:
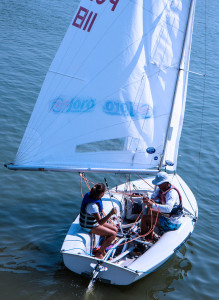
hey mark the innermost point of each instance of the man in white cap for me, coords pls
(168, 204)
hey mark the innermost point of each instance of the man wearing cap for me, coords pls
(167, 202)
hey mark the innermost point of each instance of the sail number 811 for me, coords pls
(85, 18)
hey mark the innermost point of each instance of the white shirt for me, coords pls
(172, 199)
(92, 208)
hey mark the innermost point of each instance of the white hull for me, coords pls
(77, 248)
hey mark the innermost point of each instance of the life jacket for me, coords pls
(177, 210)
(87, 220)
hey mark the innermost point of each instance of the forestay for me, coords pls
(107, 98)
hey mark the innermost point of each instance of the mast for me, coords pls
(176, 86)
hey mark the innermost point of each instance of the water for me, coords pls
(36, 209)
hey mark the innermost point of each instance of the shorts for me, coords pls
(166, 225)
(88, 230)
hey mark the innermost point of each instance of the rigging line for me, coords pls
(151, 230)
(86, 182)
(81, 181)
(203, 98)
(188, 71)
(136, 221)
(185, 195)
(111, 191)
(111, 196)
(130, 189)
(66, 75)
(145, 181)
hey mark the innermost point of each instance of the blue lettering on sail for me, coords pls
(117, 108)
(75, 105)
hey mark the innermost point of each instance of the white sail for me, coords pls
(178, 107)
(107, 98)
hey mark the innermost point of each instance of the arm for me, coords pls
(163, 208)
(103, 220)
(171, 199)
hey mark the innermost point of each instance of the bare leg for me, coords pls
(146, 222)
(110, 226)
(110, 236)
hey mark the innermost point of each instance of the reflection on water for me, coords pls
(47, 274)
(154, 286)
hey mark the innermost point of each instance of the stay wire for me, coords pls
(203, 99)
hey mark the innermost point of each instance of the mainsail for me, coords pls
(114, 96)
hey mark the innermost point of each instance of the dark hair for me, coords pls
(97, 190)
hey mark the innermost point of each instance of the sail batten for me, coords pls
(107, 98)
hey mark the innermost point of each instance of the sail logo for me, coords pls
(75, 105)
(117, 108)
(85, 18)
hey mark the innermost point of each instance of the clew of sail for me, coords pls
(108, 99)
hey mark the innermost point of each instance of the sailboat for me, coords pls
(113, 102)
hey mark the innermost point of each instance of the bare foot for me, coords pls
(99, 255)
(151, 238)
